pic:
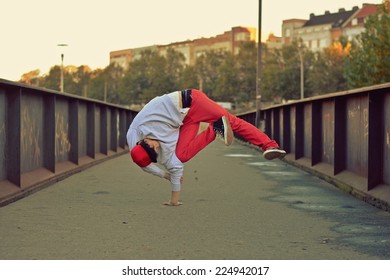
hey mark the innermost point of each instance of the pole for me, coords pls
(62, 68)
(302, 79)
(62, 73)
(302, 72)
(259, 65)
(105, 91)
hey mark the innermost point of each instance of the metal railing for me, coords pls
(46, 135)
(342, 137)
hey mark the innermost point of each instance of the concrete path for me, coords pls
(236, 206)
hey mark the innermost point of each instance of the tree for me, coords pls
(134, 82)
(188, 78)
(81, 78)
(174, 67)
(327, 72)
(113, 75)
(227, 82)
(30, 78)
(152, 75)
(246, 72)
(281, 73)
(52, 79)
(207, 69)
(369, 61)
(97, 88)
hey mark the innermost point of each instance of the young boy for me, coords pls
(166, 131)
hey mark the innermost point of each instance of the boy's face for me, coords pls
(154, 144)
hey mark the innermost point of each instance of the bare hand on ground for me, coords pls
(170, 203)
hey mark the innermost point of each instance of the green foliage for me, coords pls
(246, 72)
(227, 82)
(282, 72)
(97, 84)
(327, 72)
(323, 72)
(207, 70)
(113, 76)
(226, 77)
(188, 78)
(369, 61)
(53, 79)
(151, 75)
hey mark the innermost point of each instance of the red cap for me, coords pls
(140, 156)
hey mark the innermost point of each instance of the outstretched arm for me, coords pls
(175, 195)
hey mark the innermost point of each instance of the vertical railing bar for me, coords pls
(375, 139)
(317, 142)
(299, 131)
(276, 128)
(286, 129)
(268, 123)
(49, 132)
(122, 128)
(91, 130)
(74, 130)
(103, 130)
(340, 135)
(114, 130)
(13, 135)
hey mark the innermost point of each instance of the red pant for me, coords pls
(203, 109)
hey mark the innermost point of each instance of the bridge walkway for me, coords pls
(236, 206)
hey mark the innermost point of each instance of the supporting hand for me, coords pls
(174, 201)
(170, 203)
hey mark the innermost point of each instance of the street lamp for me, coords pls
(258, 78)
(302, 72)
(62, 68)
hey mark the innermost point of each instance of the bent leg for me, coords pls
(190, 142)
(202, 109)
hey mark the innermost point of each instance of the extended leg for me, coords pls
(251, 133)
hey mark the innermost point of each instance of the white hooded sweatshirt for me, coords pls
(160, 120)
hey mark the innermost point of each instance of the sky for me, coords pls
(31, 30)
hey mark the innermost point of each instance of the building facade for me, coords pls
(121, 58)
(320, 31)
(229, 41)
(317, 33)
(355, 25)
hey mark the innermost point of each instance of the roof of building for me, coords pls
(367, 9)
(335, 19)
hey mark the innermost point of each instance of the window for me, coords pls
(242, 36)
(322, 43)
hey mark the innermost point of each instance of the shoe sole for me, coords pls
(228, 132)
(272, 154)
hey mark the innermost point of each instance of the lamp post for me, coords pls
(302, 72)
(62, 68)
(258, 74)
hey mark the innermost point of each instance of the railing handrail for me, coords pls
(46, 135)
(342, 137)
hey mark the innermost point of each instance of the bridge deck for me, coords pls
(236, 206)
